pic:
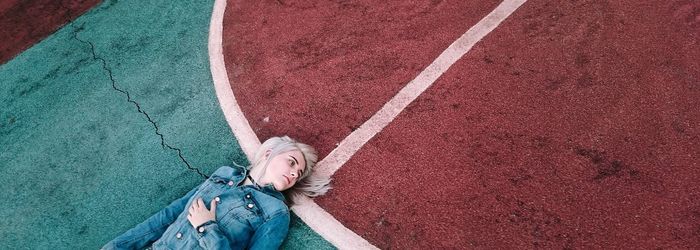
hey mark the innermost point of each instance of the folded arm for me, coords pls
(153, 228)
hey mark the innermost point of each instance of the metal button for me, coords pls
(247, 196)
(217, 199)
(230, 183)
(178, 235)
(250, 205)
(201, 229)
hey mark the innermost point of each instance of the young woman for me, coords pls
(246, 207)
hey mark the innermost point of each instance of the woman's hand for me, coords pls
(199, 214)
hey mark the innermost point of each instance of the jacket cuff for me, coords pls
(204, 227)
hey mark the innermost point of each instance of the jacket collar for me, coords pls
(270, 190)
(239, 176)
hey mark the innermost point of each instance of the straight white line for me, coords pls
(353, 142)
(314, 216)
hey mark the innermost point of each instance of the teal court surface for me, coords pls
(107, 121)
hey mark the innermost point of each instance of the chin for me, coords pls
(279, 187)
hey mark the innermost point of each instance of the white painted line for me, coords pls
(353, 142)
(327, 226)
(234, 115)
(314, 216)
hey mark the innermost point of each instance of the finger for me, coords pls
(192, 208)
(200, 202)
(213, 206)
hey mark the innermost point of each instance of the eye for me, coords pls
(291, 163)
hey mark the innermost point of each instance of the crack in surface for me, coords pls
(128, 97)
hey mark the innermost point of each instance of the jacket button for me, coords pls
(201, 229)
(230, 183)
(178, 235)
(250, 205)
(247, 196)
(217, 199)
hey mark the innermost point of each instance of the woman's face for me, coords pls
(284, 170)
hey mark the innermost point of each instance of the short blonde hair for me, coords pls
(308, 184)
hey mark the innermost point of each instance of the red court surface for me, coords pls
(323, 68)
(25, 22)
(571, 125)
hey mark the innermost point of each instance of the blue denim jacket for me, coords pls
(247, 217)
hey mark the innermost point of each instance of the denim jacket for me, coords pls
(247, 217)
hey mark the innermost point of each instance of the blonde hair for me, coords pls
(308, 184)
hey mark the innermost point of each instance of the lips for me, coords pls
(287, 178)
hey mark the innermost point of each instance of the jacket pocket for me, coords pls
(215, 182)
(236, 225)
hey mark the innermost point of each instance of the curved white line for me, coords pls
(313, 215)
(234, 115)
(327, 226)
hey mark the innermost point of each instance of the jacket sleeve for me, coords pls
(271, 234)
(212, 237)
(147, 232)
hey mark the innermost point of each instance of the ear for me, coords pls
(267, 153)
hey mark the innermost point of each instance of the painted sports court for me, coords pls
(444, 124)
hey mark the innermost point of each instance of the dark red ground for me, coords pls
(25, 22)
(572, 125)
(319, 69)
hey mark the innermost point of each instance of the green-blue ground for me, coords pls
(79, 163)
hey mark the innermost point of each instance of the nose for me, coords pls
(293, 174)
